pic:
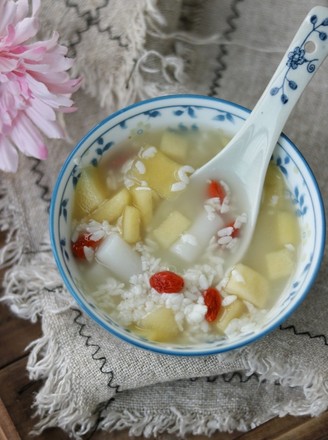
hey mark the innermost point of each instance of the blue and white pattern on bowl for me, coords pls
(188, 112)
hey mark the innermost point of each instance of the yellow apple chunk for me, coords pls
(142, 198)
(159, 325)
(171, 229)
(174, 145)
(287, 228)
(112, 208)
(90, 192)
(222, 139)
(273, 191)
(159, 171)
(228, 313)
(248, 284)
(279, 264)
(131, 224)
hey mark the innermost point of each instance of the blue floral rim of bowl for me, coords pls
(185, 106)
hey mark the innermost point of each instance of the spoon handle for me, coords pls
(307, 51)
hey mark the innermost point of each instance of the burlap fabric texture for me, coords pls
(127, 51)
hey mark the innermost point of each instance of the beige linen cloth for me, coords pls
(128, 50)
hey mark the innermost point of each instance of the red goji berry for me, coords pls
(215, 189)
(82, 241)
(212, 300)
(166, 282)
(235, 232)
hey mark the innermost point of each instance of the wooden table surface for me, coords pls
(17, 391)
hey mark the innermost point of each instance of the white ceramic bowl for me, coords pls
(187, 112)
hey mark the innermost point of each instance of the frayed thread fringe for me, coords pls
(143, 73)
(314, 387)
(26, 287)
(53, 403)
(26, 283)
(172, 421)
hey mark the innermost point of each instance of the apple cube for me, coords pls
(248, 284)
(142, 198)
(131, 224)
(159, 171)
(279, 264)
(174, 145)
(222, 139)
(160, 325)
(111, 209)
(228, 313)
(286, 228)
(156, 197)
(171, 229)
(90, 192)
(273, 191)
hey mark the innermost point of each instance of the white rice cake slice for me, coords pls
(119, 257)
(202, 230)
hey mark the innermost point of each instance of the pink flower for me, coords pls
(33, 84)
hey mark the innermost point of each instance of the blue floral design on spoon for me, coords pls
(297, 57)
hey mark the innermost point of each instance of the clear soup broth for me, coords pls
(159, 264)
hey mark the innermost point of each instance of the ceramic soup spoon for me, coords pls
(243, 162)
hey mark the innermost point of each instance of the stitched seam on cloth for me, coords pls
(228, 377)
(105, 405)
(97, 347)
(91, 21)
(44, 188)
(304, 333)
(43, 251)
(223, 52)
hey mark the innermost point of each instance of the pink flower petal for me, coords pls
(49, 128)
(42, 109)
(67, 109)
(32, 54)
(7, 64)
(28, 139)
(8, 156)
(34, 82)
(7, 15)
(35, 6)
(59, 83)
(40, 89)
(22, 9)
(66, 88)
(25, 29)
